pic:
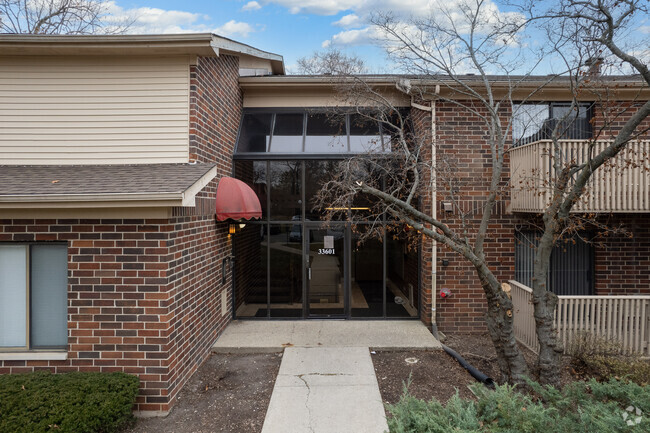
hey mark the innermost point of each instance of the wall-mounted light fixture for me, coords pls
(232, 229)
(447, 206)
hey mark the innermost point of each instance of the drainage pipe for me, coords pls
(434, 247)
(476, 374)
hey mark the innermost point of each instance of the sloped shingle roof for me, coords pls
(99, 179)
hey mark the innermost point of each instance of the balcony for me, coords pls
(621, 185)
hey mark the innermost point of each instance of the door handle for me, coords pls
(309, 273)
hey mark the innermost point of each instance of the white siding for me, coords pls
(92, 110)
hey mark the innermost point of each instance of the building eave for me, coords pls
(193, 44)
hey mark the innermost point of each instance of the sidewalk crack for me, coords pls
(301, 377)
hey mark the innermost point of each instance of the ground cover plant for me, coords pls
(602, 358)
(612, 406)
(72, 402)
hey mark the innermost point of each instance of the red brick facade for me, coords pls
(145, 296)
(622, 262)
(463, 161)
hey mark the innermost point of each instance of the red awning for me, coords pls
(236, 200)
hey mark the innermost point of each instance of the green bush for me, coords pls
(71, 402)
(579, 407)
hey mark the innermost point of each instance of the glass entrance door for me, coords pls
(327, 274)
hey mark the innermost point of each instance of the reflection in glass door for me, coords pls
(326, 276)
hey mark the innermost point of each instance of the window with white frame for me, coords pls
(33, 296)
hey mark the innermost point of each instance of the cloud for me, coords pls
(251, 6)
(347, 20)
(146, 20)
(318, 7)
(449, 11)
(232, 28)
(365, 36)
(645, 29)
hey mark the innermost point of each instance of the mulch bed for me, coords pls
(437, 375)
(229, 393)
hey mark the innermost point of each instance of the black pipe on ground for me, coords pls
(476, 374)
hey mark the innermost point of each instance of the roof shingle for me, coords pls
(99, 179)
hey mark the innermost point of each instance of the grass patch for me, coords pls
(72, 402)
(593, 356)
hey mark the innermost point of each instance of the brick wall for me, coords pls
(199, 244)
(623, 262)
(463, 161)
(145, 296)
(118, 298)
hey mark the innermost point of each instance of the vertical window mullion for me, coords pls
(28, 288)
(304, 130)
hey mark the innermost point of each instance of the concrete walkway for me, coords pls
(255, 336)
(326, 389)
(327, 381)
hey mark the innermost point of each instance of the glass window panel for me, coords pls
(285, 244)
(49, 296)
(529, 122)
(286, 194)
(390, 128)
(326, 133)
(13, 295)
(402, 276)
(250, 246)
(326, 264)
(316, 173)
(366, 276)
(287, 133)
(364, 134)
(255, 133)
(574, 121)
(253, 173)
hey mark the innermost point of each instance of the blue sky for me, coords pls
(292, 28)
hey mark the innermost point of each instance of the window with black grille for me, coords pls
(571, 269)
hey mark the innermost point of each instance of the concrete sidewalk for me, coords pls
(255, 336)
(326, 389)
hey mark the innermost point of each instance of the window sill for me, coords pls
(33, 356)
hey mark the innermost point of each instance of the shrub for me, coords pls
(603, 359)
(71, 402)
(579, 407)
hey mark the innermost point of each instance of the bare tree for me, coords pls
(66, 17)
(594, 27)
(472, 37)
(331, 61)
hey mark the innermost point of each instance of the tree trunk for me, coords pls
(501, 327)
(544, 302)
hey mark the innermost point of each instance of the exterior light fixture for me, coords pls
(242, 225)
(232, 229)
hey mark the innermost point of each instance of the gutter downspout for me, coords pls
(434, 247)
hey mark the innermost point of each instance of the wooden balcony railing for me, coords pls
(620, 185)
(621, 319)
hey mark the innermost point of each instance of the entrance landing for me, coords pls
(255, 336)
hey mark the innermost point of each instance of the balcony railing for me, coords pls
(620, 185)
(621, 319)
